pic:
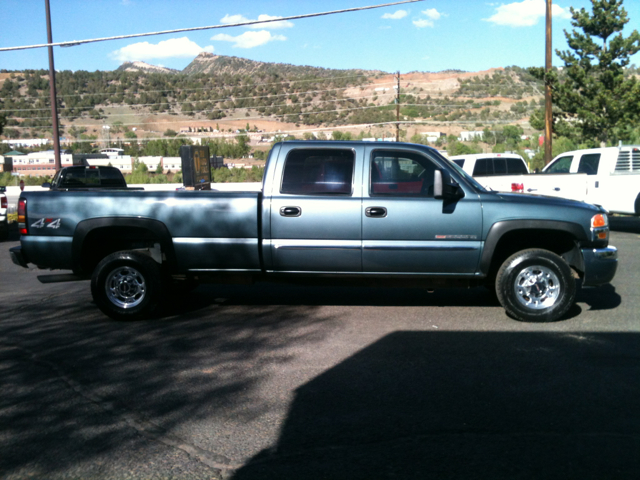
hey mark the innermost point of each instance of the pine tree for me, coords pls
(592, 98)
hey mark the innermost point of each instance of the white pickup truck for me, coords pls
(609, 177)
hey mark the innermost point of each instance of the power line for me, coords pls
(211, 27)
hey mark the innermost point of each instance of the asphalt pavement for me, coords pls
(287, 382)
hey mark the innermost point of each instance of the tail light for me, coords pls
(517, 187)
(22, 216)
(3, 202)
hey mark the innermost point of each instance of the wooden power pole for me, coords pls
(398, 108)
(548, 116)
(52, 91)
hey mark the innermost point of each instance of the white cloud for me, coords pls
(423, 22)
(397, 15)
(525, 14)
(432, 13)
(231, 19)
(172, 48)
(249, 39)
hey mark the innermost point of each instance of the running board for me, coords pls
(63, 277)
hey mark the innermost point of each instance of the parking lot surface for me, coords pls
(287, 382)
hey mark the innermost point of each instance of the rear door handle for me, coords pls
(378, 212)
(290, 211)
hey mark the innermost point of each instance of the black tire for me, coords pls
(127, 285)
(535, 285)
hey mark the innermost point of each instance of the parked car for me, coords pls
(351, 212)
(4, 220)
(609, 177)
(491, 164)
(492, 170)
(86, 177)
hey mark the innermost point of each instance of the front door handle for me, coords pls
(290, 211)
(378, 212)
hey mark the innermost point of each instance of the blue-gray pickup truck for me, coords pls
(390, 213)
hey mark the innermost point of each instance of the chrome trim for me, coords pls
(284, 213)
(379, 274)
(296, 244)
(608, 253)
(595, 231)
(433, 246)
(224, 270)
(219, 241)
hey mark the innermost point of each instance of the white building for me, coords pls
(469, 136)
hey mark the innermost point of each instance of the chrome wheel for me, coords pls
(125, 287)
(537, 287)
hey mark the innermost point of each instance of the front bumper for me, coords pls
(600, 265)
(18, 257)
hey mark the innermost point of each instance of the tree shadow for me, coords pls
(79, 388)
(467, 405)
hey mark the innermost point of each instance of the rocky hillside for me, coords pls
(211, 64)
(144, 67)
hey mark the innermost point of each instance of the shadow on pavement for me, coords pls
(458, 405)
(81, 390)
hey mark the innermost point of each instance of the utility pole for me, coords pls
(398, 108)
(52, 91)
(548, 116)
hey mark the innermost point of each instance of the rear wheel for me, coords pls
(127, 285)
(535, 286)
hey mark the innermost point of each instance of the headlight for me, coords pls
(600, 227)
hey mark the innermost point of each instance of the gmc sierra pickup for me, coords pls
(366, 212)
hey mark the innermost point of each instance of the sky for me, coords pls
(426, 36)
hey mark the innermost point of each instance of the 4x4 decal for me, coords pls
(48, 222)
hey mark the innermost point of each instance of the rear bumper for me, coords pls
(18, 257)
(600, 265)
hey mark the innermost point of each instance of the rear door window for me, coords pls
(318, 172)
(589, 164)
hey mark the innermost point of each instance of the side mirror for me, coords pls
(46, 185)
(445, 187)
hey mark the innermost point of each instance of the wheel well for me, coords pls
(556, 241)
(101, 242)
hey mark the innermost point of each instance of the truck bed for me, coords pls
(209, 230)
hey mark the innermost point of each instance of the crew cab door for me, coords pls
(559, 179)
(405, 229)
(316, 224)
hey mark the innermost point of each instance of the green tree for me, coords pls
(170, 133)
(595, 101)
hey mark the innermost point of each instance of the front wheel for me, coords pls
(127, 285)
(535, 286)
